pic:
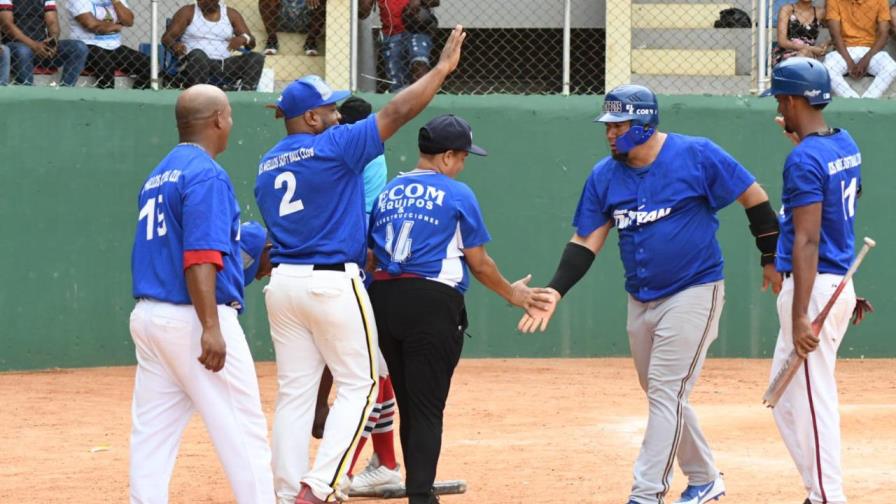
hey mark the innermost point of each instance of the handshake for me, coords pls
(539, 303)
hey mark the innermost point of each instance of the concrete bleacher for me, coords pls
(290, 62)
(676, 49)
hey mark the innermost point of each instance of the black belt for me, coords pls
(329, 267)
(787, 274)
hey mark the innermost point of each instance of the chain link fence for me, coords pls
(520, 47)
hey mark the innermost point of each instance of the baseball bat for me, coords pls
(792, 364)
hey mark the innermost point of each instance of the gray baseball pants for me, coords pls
(669, 338)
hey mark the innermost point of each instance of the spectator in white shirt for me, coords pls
(98, 23)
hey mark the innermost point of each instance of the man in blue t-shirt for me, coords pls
(426, 231)
(822, 184)
(188, 281)
(662, 191)
(309, 191)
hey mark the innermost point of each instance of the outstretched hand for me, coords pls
(537, 317)
(451, 52)
(529, 298)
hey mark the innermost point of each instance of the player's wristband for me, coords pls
(247, 37)
(764, 227)
(574, 263)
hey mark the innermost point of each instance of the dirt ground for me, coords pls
(519, 430)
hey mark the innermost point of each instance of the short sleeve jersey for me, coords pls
(187, 203)
(28, 16)
(665, 213)
(310, 193)
(421, 224)
(103, 10)
(826, 170)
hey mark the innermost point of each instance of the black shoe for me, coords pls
(311, 47)
(807, 501)
(271, 47)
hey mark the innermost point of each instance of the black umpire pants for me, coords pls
(421, 326)
(104, 62)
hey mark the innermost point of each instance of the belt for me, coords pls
(329, 267)
(787, 274)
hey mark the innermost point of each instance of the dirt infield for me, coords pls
(517, 430)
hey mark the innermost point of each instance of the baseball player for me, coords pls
(822, 184)
(254, 251)
(662, 191)
(383, 469)
(426, 230)
(188, 282)
(308, 190)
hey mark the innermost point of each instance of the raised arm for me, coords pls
(414, 98)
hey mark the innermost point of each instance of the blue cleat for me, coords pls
(700, 494)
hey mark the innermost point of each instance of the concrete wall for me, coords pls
(73, 160)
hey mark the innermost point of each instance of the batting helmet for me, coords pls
(804, 77)
(631, 102)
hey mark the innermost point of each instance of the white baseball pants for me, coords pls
(319, 318)
(881, 66)
(171, 384)
(807, 414)
(669, 338)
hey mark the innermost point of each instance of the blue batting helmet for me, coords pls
(800, 76)
(631, 102)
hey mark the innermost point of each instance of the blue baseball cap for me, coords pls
(447, 132)
(305, 94)
(253, 237)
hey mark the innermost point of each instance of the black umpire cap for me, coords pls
(447, 132)
(354, 109)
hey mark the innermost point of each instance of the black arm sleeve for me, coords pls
(764, 226)
(574, 263)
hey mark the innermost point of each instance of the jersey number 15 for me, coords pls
(155, 218)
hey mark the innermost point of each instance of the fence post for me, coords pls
(353, 76)
(567, 42)
(154, 45)
(763, 45)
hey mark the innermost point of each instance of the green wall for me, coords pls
(71, 162)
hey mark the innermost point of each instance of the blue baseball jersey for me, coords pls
(665, 213)
(420, 225)
(310, 193)
(187, 203)
(826, 170)
(374, 181)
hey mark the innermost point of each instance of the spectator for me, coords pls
(798, 27)
(859, 30)
(99, 23)
(31, 31)
(405, 49)
(203, 36)
(298, 16)
(4, 65)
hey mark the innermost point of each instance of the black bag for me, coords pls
(419, 20)
(733, 18)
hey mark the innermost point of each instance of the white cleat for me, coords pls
(374, 477)
(700, 494)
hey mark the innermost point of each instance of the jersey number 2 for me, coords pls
(155, 218)
(848, 194)
(287, 205)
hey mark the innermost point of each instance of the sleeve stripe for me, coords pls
(5, 5)
(49, 5)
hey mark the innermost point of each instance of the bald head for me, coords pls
(204, 117)
(199, 103)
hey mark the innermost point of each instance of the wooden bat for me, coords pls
(792, 364)
(398, 491)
